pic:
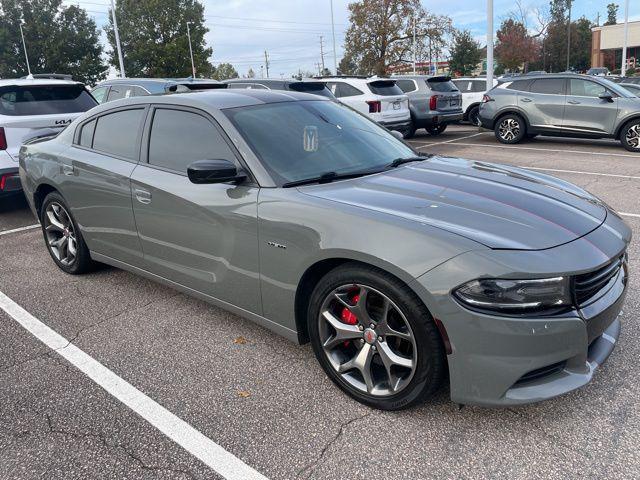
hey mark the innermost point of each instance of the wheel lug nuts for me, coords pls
(380, 339)
(372, 326)
(373, 347)
(360, 327)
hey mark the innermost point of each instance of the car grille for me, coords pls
(587, 285)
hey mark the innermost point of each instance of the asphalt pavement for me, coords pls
(265, 400)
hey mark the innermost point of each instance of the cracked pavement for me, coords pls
(266, 400)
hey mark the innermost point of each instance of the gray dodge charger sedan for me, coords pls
(304, 216)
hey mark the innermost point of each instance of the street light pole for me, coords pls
(569, 36)
(24, 45)
(623, 70)
(193, 65)
(117, 35)
(333, 32)
(489, 44)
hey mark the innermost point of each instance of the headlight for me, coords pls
(516, 297)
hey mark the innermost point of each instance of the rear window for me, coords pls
(317, 88)
(385, 88)
(549, 86)
(44, 100)
(441, 85)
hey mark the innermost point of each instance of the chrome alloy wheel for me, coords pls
(61, 235)
(633, 136)
(367, 340)
(509, 129)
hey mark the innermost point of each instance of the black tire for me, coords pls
(410, 131)
(436, 129)
(630, 136)
(82, 262)
(473, 116)
(510, 129)
(430, 362)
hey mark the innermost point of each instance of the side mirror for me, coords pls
(214, 171)
(606, 96)
(396, 134)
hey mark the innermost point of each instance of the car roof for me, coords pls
(273, 81)
(35, 82)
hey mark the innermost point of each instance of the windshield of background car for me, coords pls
(44, 99)
(614, 87)
(305, 139)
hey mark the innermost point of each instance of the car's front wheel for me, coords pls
(630, 136)
(63, 237)
(474, 116)
(436, 129)
(374, 338)
(510, 129)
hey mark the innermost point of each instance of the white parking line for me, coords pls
(21, 229)
(635, 215)
(558, 170)
(194, 442)
(577, 152)
(448, 141)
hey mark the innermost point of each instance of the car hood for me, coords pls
(498, 206)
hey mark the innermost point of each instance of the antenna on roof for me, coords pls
(24, 45)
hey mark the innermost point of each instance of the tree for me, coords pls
(465, 53)
(580, 58)
(225, 71)
(347, 66)
(153, 35)
(251, 73)
(612, 14)
(556, 41)
(59, 38)
(380, 34)
(515, 47)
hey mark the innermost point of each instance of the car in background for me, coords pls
(313, 86)
(564, 105)
(378, 98)
(434, 101)
(118, 88)
(535, 72)
(34, 107)
(599, 71)
(633, 80)
(632, 87)
(403, 271)
(472, 90)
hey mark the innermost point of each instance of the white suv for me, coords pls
(32, 108)
(472, 90)
(379, 98)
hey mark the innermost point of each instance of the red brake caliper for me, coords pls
(349, 318)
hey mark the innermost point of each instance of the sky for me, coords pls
(290, 30)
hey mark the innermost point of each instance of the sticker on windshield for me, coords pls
(310, 139)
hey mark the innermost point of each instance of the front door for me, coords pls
(585, 112)
(203, 237)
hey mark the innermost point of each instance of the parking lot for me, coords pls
(266, 401)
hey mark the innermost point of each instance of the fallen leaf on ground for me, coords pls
(240, 341)
(243, 394)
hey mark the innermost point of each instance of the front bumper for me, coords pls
(501, 361)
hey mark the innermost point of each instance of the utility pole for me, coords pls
(333, 33)
(489, 44)
(414, 45)
(623, 69)
(569, 35)
(117, 35)
(322, 54)
(266, 62)
(193, 65)
(261, 71)
(24, 45)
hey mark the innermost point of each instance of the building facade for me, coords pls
(607, 42)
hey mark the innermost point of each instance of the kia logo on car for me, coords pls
(63, 122)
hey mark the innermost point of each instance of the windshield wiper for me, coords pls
(402, 160)
(328, 177)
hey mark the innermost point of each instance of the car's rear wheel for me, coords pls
(510, 129)
(63, 237)
(374, 338)
(436, 129)
(474, 116)
(630, 136)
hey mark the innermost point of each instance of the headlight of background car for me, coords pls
(516, 297)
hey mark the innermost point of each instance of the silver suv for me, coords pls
(565, 105)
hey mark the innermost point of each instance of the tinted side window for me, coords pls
(520, 85)
(86, 134)
(406, 85)
(122, 91)
(552, 86)
(341, 89)
(479, 86)
(463, 85)
(117, 133)
(179, 138)
(585, 88)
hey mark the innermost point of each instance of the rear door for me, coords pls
(394, 104)
(449, 99)
(584, 112)
(544, 103)
(203, 237)
(28, 111)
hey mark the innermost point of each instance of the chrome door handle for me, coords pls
(68, 169)
(573, 102)
(143, 196)
(526, 100)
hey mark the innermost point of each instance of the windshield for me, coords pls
(614, 87)
(44, 100)
(306, 139)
